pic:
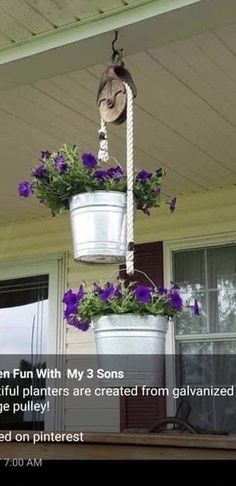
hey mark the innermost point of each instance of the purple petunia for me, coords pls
(60, 163)
(143, 294)
(115, 172)
(143, 176)
(172, 204)
(101, 175)
(25, 189)
(40, 171)
(70, 297)
(45, 155)
(82, 325)
(72, 301)
(162, 290)
(175, 301)
(89, 161)
(107, 292)
(70, 310)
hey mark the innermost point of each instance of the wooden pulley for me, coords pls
(111, 97)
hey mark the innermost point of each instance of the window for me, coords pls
(24, 315)
(31, 327)
(208, 275)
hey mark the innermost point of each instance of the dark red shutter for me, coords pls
(142, 412)
(148, 258)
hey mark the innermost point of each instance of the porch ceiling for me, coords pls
(22, 20)
(185, 117)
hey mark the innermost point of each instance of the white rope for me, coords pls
(103, 153)
(130, 180)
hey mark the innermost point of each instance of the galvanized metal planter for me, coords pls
(98, 222)
(132, 335)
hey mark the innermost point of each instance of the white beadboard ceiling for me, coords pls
(21, 20)
(185, 117)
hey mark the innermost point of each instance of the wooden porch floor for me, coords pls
(128, 446)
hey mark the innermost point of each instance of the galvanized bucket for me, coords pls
(132, 335)
(98, 222)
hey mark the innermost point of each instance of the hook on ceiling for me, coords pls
(117, 54)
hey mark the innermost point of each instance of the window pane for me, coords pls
(23, 327)
(222, 310)
(189, 269)
(218, 302)
(193, 368)
(24, 315)
(188, 323)
(196, 348)
(209, 364)
(226, 347)
(221, 268)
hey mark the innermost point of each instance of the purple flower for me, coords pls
(195, 308)
(142, 293)
(70, 311)
(82, 325)
(45, 155)
(115, 172)
(25, 189)
(89, 161)
(60, 163)
(70, 297)
(73, 321)
(161, 290)
(143, 176)
(100, 175)
(175, 301)
(39, 172)
(172, 204)
(107, 292)
(72, 300)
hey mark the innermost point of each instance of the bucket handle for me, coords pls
(135, 270)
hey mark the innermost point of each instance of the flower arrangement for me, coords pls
(86, 304)
(61, 175)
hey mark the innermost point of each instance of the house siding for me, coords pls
(197, 215)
